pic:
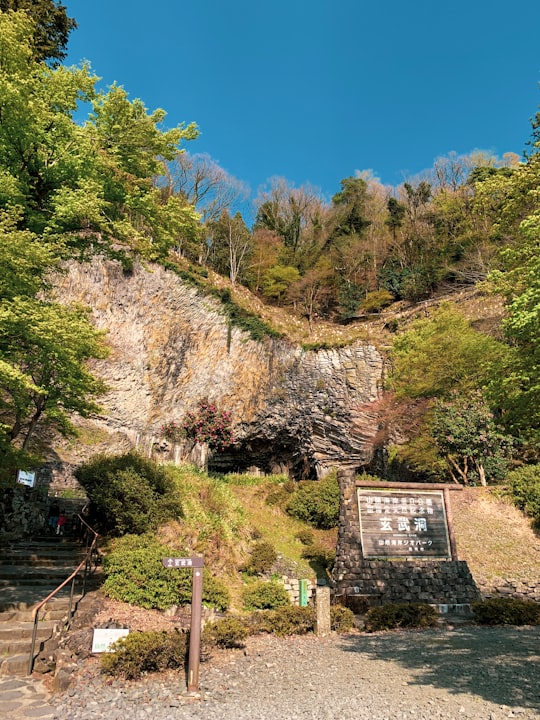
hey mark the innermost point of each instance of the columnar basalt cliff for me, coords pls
(297, 411)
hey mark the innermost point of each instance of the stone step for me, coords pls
(15, 575)
(18, 630)
(14, 664)
(46, 560)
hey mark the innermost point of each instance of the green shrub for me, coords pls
(523, 486)
(400, 615)
(341, 618)
(287, 620)
(316, 502)
(295, 620)
(281, 495)
(128, 493)
(134, 573)
(143, 652)
(506, 611)
(262, 595)
(305, 536)
(376, 301)
(263, 556)
(229, 632)
(319, 556)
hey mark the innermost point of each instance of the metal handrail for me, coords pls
(91, 537)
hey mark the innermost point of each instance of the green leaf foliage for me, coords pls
(400, 615)
(466, 435)
(142, 652)
(442, 354)
(316, 502)
(506, 611)
(523, 487)
(128, 493)
(264, 595)
(134, 573)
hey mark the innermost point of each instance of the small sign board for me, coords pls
(183, 562)
(26, 477)
(403, 523)
(104, 637)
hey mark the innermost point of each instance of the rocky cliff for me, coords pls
(296, 411)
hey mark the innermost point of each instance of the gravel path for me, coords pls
(470, 672)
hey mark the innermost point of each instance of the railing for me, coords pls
(89, 538)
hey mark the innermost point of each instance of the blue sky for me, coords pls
(313, 90)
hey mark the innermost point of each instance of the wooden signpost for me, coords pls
(196, 563)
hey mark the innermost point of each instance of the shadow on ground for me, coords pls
(501, 665)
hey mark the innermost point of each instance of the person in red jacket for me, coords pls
(61, 523)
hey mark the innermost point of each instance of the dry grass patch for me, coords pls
(494, 537)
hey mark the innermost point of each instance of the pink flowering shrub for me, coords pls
(172, 431)
(209, 425)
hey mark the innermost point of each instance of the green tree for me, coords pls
(518, 279)
(91, 185)
(441, 354)
(466, 435)
(51, 30)
(277, 281)
(230, 245)
(43, 349)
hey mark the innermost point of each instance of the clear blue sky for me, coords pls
(313, 90)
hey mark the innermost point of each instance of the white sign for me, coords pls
(105, 637)
(26, 477)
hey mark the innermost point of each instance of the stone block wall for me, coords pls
(292, 586)
(389, 581)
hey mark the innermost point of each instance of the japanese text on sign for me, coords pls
(182, 562)
(403, 523)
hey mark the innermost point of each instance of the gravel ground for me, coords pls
(469, 672)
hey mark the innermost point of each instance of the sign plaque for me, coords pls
(183, 562)
(403, 523)
(26, 477)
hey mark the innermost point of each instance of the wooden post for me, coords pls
(195, 632)
(196, 564)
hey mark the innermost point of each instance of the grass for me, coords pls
(494, 537)
(273, 525)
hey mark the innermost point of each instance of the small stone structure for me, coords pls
(366, 582)
(292, 586)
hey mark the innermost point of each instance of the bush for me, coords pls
(143, 652)
(341, 618)
(506, 611)
(128, 493)
(523, 486)
(295, 620)
(289, 620)
(281, 495)
(209, 425)
(376, 301)
(306, 537)
(400, 615)
(134, 573)
(316, 502)
(263, 556)
(229, 632)
(262, 595)
(320, 556)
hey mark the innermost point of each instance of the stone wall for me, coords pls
(509, 587)
(378, 582)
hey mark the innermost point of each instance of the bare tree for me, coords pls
(204, 184)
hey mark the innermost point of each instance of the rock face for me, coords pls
(296, 411)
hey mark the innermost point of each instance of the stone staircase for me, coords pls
(29, 571)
